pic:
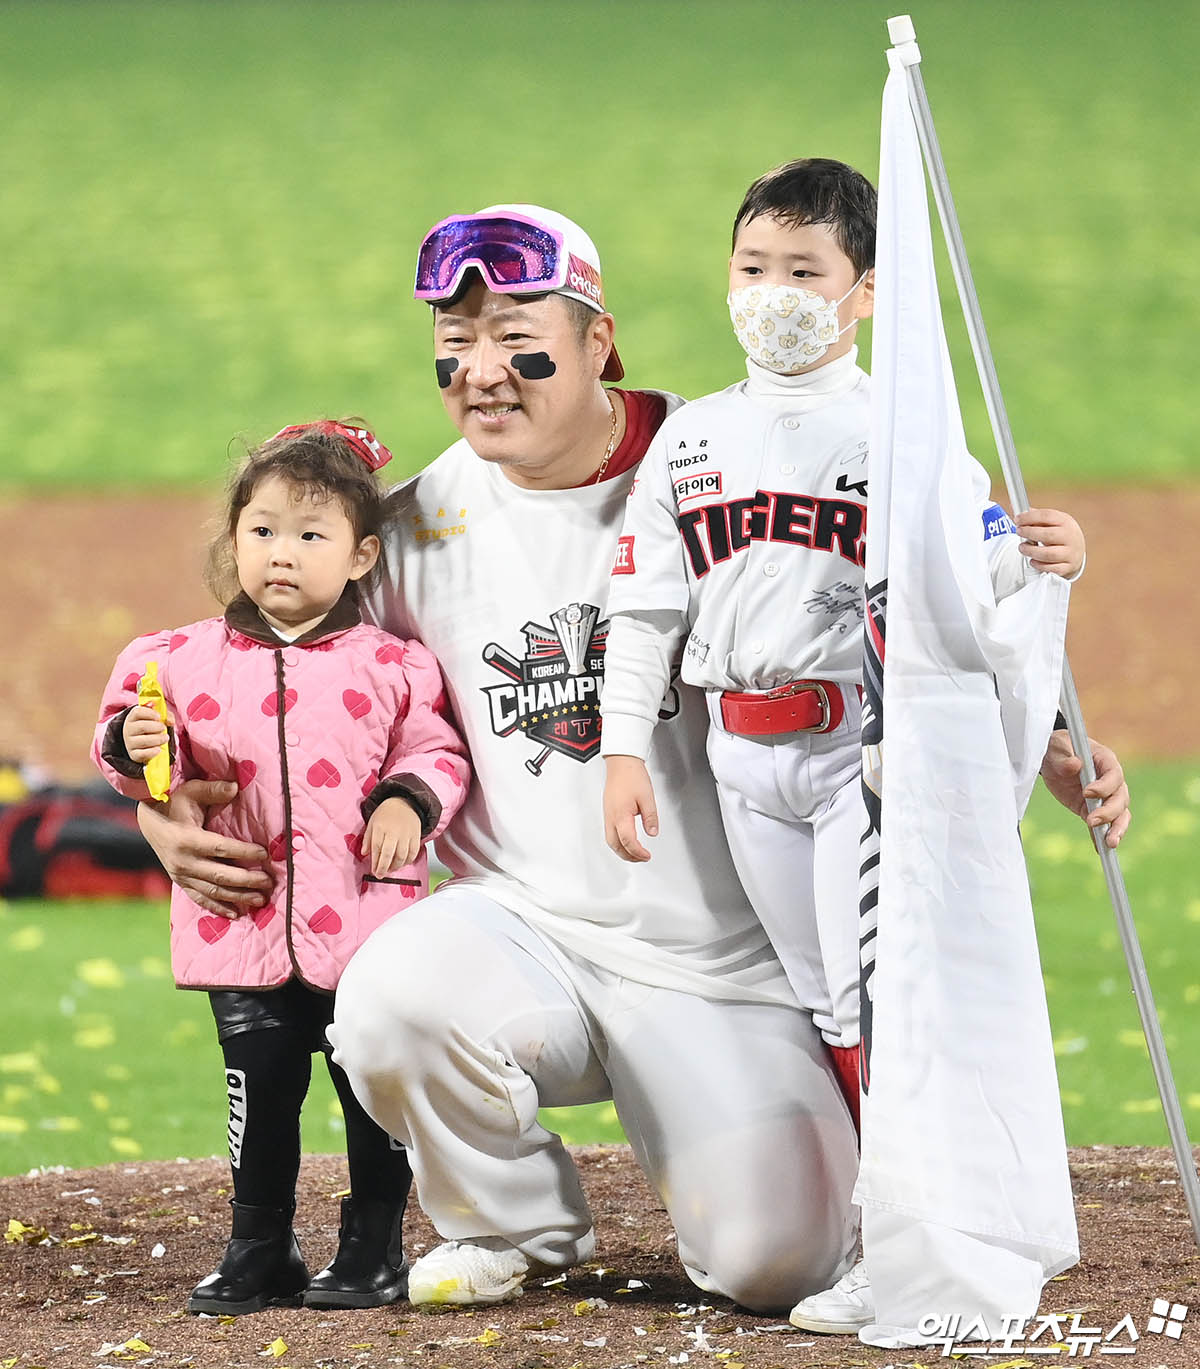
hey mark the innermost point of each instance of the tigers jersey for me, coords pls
(744, 539)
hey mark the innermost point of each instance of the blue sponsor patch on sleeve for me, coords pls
(996, 522)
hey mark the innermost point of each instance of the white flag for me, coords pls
(964, 1187)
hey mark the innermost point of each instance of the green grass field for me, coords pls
(212, 208)
(104, 1060)
(211, 215)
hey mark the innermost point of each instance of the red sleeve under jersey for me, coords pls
(644, 414)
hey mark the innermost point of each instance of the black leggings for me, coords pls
(269, 1038)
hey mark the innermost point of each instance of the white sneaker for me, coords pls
(839, 1311)
(483, 1271)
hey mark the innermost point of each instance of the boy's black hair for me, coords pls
(817, 190)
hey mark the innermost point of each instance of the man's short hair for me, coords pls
(817, 190)
(582, 315)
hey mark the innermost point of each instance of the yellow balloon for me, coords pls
(158, 768)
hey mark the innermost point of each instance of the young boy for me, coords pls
(743, 544)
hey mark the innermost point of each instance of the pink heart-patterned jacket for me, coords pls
(316, 733)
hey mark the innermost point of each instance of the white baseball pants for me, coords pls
(793, 818)
(455, 1022)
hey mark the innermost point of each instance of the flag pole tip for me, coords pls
(900, 29)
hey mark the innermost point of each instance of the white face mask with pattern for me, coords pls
(785, 327)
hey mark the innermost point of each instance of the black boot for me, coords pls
(369, 1268)
(261, 1267)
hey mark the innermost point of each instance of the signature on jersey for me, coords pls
(835, 602)
(697, 648)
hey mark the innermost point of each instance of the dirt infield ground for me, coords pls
(121, 1246)
(84, 575)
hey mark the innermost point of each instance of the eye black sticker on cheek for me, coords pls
(445, 368)
(534, 365)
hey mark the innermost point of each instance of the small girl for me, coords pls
(345, 765)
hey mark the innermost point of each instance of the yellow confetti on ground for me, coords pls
(153, 967)
(121, 1073)
(17, 1233)
(1132, 1037)
(27, 939)
(13, 1093)
(125, 1145)
(1070, 1045)
(13, 1126)
(490, 1337)
(1191, 993)
(47, 1083)
(1071, 1098)
(136, 1344)
(100, 1101)
(119, 1124)
(277, 1347)
(87, 1238)
(1053, 848)
(1193, 910)
(101, 973)
(1141, 1105)
(62, 1124)
(1193, 1100)
(20, 1062)
(1177, 822)
(96, 1037)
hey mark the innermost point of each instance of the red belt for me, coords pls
(802, 706)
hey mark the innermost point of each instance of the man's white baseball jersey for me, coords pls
(548, 972)
(508, 587)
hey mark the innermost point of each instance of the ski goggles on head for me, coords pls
(513, 254)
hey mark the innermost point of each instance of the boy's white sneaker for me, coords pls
(841, 1310)
(484, 1271)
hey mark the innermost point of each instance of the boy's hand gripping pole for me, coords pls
(908, 54)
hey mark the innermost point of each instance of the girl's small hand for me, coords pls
(393, 836)
(1053, 541)
(144, 734)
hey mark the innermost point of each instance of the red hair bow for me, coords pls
(365, 443)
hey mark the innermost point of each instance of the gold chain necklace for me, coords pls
(612, 442)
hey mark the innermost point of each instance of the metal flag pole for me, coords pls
(904, 41)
